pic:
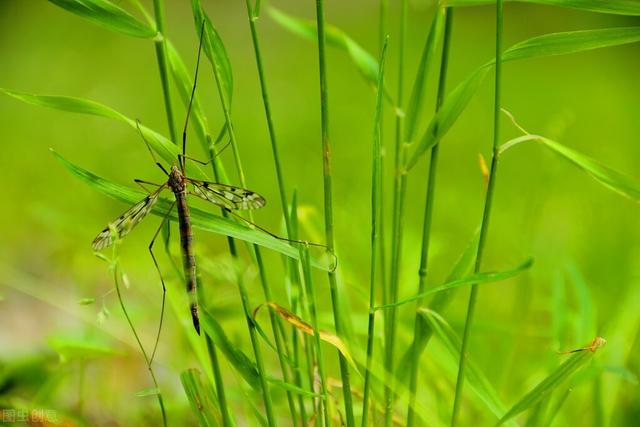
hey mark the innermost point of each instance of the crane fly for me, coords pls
(227, 197)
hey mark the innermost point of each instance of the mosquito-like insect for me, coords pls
(227, 197)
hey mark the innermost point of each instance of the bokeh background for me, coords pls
(584, 238)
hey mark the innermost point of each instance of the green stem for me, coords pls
(426, 227)
(247, 310)
(376, 208)
(280, 344)
(484, 226)
(328, 205)
(399, 191)
(217, 375)
(161, 56)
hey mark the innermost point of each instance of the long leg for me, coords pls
(142, 183)
(164, 288)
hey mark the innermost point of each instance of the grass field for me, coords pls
(442, 179)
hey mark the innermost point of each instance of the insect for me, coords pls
(227, 197)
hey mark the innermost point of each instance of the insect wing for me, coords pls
(227, 196)
(125, 222)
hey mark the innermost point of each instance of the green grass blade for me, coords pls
(461, 268)
(541, 46)
(108, 15)
(240, 361)
(160, 144)
(549, 384)
(447, 115)
(414, 107)
(478, 279)
(608, 177)
(293, 388)
(571, 42)
(618, 7)
(199, 218)
(475, 378)
(201, 398)
(215, 51)
(366, 63)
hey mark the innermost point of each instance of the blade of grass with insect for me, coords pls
(328, 204)
(107, 15)
(201, 398)
(441, 27)
(618, 7)
(536, 47)
(478, 382)
(549, 384)
(376, 208)
(486, 213)
(201, 219)
(219, 60)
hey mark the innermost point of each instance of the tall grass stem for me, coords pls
(428, 215)
(484, 226)
(328, 205)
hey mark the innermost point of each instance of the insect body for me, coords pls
(225, 196)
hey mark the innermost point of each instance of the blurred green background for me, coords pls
(576, 230)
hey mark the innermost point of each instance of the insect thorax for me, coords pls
(176, 180)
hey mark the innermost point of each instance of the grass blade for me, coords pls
(618, 7)
(240, 361)
(215, 51)
(536, 47)
(201, 398)
(306, 328)
(478, 278)
(608, 177)
(366, 63)
(475, 378)
(107, 15)
(414, 107)
(550, 383)
(200, 219)
(160, 144)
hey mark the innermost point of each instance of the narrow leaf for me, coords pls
(477, 381)
(240, 361)
(161, 145)
(199, 218)
(618, 7)
(293, 388)
(215, 51)
(608, 177)
(366, 63)
(478, 279)
(541, 46)
(414, 108)
(549, 384)
(201, 398)
(151, 391)
(303, 326)
(108, 15)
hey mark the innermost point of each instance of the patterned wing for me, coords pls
(227, 196)
(126, 222)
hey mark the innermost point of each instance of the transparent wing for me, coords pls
(227, 196)
(126, 222)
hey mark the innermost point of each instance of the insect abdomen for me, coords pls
(188, 258)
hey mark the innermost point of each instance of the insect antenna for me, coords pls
(150, 150)
(181, 159)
